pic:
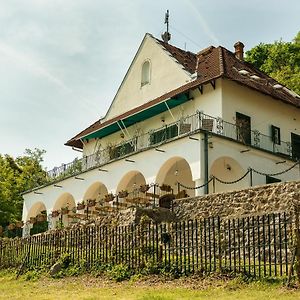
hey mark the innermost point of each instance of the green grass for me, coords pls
(140, 288)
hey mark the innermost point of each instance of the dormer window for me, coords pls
(145, 73)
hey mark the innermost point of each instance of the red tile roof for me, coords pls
(186, 58)
(209, 64)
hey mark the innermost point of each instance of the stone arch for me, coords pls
(66, 199)
(227, 169)
(96, 191)
(35, 209)
(174, 170)
(131, 181)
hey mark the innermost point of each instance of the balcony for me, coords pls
(185, 126)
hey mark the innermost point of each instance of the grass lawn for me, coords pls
(145, 288)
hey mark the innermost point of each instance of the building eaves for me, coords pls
(97, 125)
(209, 64)
(255, 79)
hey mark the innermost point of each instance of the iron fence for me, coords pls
(258, 246)
(184, 126)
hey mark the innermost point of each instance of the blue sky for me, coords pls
(61, 61)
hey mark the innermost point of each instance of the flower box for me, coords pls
(55, 213)
(166, 188)
(144, 188)
(19, 224)
(41, 217)
(109, 197)
(91, 203)
(80, 206)
(123, 194)
(64, 210)
(11, 226)
(32, 220)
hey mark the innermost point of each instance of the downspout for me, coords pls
(206, 190)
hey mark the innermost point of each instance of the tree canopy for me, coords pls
(280, 60)
(16, 176)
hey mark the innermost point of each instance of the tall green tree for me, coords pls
(16, 176)
(280, 60)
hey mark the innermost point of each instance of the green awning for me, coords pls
(139, 116)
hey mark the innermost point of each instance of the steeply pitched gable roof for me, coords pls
(209, 64)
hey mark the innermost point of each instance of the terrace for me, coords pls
(189, 125)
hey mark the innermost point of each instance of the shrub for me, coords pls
(119, 272)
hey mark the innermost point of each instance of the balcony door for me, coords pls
(243, 128)
(295, 139)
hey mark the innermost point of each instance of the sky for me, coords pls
(62, 61)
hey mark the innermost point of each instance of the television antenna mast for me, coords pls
(166, 36)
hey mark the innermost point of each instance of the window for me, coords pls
(243, 128)
(275, 131)
(295, 139)
(163, 134)
(145, 73)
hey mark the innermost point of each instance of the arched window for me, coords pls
(145, 73)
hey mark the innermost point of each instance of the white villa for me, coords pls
(202, 123)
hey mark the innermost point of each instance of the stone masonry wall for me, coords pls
(269, 198)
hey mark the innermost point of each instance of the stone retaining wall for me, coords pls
(251, 201)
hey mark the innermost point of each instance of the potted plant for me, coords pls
(19, 224)
(112, 150)
(41, 217)
(32, 220)
(80, 205)
(65, 210)
(166, 187)
(123, 194)
(91, 202)
(144, 188)
(109, 197)
(11, 226)
(55, 213)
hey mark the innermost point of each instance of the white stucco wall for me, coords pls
(210, 102)
(256, 159)
(147, 162)
(263, 110)
(224, 101)
(166, 75)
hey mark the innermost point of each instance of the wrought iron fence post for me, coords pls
(214, 184)
(297, 242)
(251, 176)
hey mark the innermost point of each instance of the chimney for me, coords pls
(239, 50)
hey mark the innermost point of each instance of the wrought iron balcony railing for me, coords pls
(184, 126)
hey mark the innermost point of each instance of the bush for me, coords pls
(119, 272)
(32, 275)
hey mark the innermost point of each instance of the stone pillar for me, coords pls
(198, 182)
(49, 219)
(26, 229)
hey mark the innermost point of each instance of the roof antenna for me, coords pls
(167, 35)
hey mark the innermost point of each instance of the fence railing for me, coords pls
(258, 246)
(186, 125)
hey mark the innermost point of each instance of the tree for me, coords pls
(17, 176)
(280, 60)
